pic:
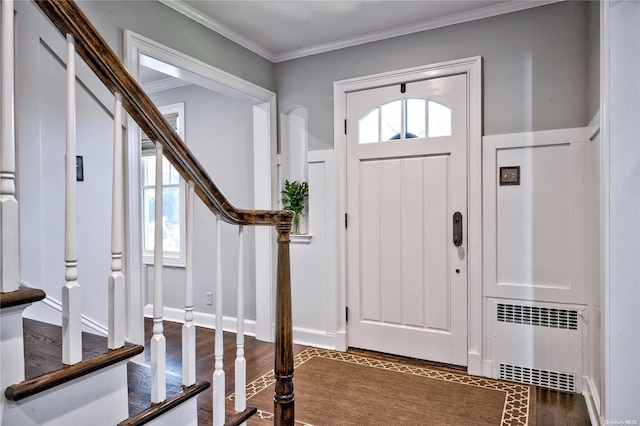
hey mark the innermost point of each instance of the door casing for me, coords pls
(472, 68)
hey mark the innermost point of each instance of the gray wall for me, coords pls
(219, 131)
(40, 133)
(593, 64)
(534, 69)
(162, 24)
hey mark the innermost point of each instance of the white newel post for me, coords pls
(117, 316)
(158, 341)
(71, 301)
(9, 250)
(218, 374)
(241, 365)
(189, 328)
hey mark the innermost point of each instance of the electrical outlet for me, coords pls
(209, 302)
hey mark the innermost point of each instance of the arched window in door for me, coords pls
(401, 119)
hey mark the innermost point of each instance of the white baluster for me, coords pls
(241, 364)
(218, 374)
(9, 250)
(116, 280)
(189, 328)
(71, 300)
(158, 341)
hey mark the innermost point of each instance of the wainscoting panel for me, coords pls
(536, 234)
(314, 287)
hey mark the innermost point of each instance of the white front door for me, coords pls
(406, 181)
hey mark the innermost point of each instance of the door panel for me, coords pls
(403, 292)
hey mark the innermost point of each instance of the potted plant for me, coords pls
(293, 197)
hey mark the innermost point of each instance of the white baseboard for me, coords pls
(487, 368)
(341, 341)
(592, 399)
(53, 315)
(474, 363)
(301, 336)
(316, 338)
(205, 320)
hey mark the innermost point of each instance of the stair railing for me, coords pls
(83, 39)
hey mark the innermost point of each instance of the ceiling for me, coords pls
(280, 30)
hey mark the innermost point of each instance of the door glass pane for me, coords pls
(391, 121)
(439, 120)
(415, 117)
(368, 128)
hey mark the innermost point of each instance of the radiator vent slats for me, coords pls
(538, 316)
(548, 379)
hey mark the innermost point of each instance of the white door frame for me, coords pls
(472, 67)
(265, 189)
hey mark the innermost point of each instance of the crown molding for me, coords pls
(190, 12)
(458, 18)
(164, 84)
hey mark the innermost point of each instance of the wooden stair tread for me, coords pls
(22, 296)
(43, 359)
(43, 347)
(141, 410)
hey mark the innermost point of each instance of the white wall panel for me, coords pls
(536, 233)
(314, 288)
(533, 219)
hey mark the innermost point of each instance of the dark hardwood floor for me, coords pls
(552, 407)
(259, 358)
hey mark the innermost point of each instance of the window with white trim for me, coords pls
(174, 200)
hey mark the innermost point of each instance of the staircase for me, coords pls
(58, 375)
(95, 385)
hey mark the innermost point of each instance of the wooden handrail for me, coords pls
(68, 18)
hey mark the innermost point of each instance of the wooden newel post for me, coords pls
(283, 397)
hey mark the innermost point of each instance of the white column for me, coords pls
(9, 250)
(241, 364)
(117, 300)
(71, 300)
(218, 374)
(189, 328)
(158, 341)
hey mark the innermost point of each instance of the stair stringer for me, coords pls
(99, 398)
(185, 414)
(11, 351)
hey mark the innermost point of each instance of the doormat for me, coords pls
(339, 388)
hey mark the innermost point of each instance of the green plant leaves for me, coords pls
(293, 195)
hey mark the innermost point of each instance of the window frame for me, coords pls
(170, 258)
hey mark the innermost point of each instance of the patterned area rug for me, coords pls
(338, 388)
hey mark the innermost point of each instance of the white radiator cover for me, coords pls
(537, 343)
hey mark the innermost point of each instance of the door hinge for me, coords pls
(346, 221)
(346, 314)
(345, 126)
